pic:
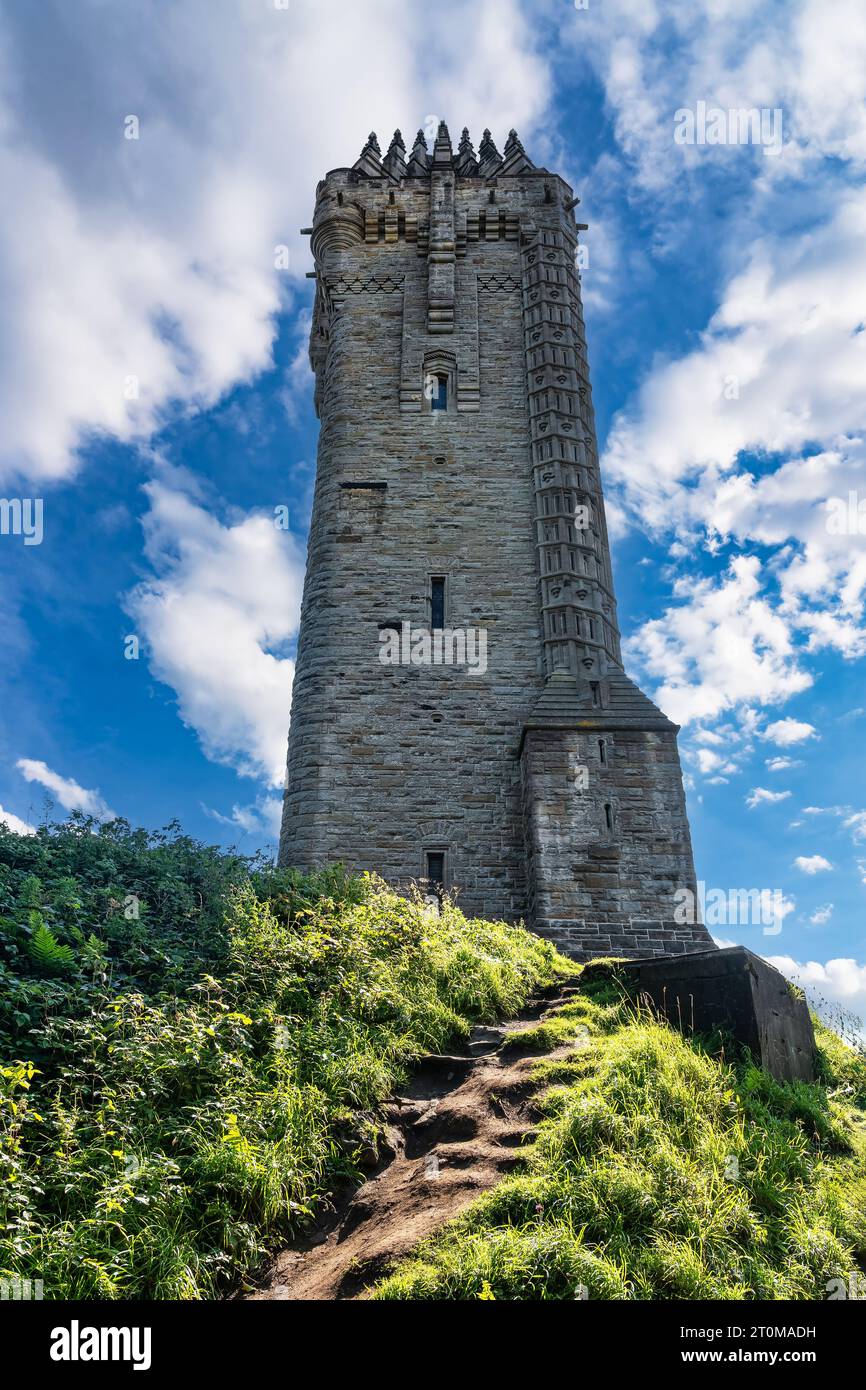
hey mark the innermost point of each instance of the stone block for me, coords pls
(736, 991)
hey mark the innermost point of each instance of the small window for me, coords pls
(436, 868)
(439, 399)
(437, 602)
(595, 691)
(602, 751)
(608, 815)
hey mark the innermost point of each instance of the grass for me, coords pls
(194, 1048)
(661, 1171)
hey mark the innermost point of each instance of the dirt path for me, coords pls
(453, 1133)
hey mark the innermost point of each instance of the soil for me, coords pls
(455, 1131)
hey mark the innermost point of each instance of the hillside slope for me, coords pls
(664, 1170)
(197, 1051)
(194, 1049)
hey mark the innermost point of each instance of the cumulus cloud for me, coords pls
(138, 274)
(721, 646)
(217, 615)
(760, 794)
(261, 817)
(790, 332)
(788, 731)
(800, 55)
(821, 915)
(812, 863)
(836, 982)
(13, 822)
(754, 434)
(71, 795)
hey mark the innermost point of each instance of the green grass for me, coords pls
(662, 1172)
(194, 1048)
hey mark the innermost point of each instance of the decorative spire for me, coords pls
(372, 146)
(419, 163)
(489, 158)
(442, 146)
(370, 161)
(516, 159)
(465, 162)
(395, 159)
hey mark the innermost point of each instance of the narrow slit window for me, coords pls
(436, 868)
(608, 815)
(440, 392)
(596, 693)
(437, 602)
(602, 751)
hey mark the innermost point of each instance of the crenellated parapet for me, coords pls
(436, 205)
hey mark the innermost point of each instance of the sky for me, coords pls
(158, 161)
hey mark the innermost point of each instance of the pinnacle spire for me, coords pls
(370, 160)
(489, 158)
(419, 163)
(395, 159)
(513, 143)
(516, 158)
(442, 146)
(465, 162)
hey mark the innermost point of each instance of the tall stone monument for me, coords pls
(460, 710)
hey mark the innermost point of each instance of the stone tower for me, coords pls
(460, 711)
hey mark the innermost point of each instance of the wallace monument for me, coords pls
(460, 711)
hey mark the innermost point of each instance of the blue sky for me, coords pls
(156, 396)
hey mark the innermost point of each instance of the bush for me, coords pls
(183, 1085)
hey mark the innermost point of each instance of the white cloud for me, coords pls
(261, 818)
(13, 822)
(708, 761)
(154, 257)
(788, 731)
(720, 647)
(653, 58)
(789, 330)
(216, 617)
(841, 981)
(759, 794)
(812, 864)
(821, 915)
(786, 334)
(781, 764)
(71, 795)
